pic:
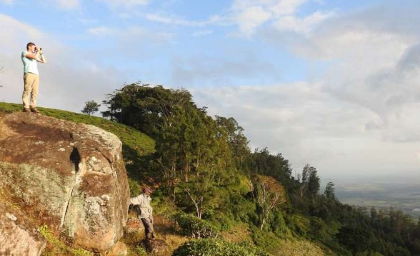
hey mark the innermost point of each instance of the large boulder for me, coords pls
(18, 235)
(66, 175)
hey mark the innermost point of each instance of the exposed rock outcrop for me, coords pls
(18, 236)
(66, 175)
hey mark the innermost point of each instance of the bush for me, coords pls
(221, 221)
(194, 227)
(134, 186)
(266, 240)
(140, 251)
(56, 247)
(215, 247)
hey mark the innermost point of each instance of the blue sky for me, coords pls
(86, 26)
(332, 83)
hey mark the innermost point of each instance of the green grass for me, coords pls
(56, 247)
(137, 146)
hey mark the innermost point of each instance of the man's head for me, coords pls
(147, 191)
(30, 47)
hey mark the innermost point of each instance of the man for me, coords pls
(145, 211)
(30, 57)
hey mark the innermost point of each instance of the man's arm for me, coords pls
(38, 56)
(134, 201)
(32, 56)
(42, 58)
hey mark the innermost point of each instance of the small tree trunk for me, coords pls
(197, 204)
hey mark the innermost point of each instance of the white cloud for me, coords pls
(130, 38)
(124, 3)
(201, 33)
(250, 18)
(287, 7)
(249, 15)
(101, 31)
(207, 70)
(7, 2)
(304, 25)
(68, 4)
(359, 116)
(175, 20)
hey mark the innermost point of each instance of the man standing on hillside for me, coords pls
(30, 57)
(145, 211)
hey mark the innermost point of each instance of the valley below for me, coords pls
(398, 192)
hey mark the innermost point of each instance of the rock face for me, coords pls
(120, 249)
(66, 175)
(17, 234)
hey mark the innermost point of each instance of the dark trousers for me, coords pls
(148, 227)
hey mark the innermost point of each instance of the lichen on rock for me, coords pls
(66, 175)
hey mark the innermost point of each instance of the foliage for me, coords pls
(135, 188)
(299, 248)
(194, 227)
(267, 241)
(310, 182)
(193, 155)
(214, 247)
(236, 139)
(56, 247)
(140, 251)
(276, 166)
(330, 191)
(269, 194)
(90, 107)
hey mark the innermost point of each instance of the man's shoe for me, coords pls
(34, 110)
(26, 110)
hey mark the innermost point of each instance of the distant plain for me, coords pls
(398, 192)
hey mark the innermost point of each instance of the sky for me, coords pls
(330, 83)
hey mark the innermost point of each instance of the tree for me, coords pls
(237, 141)
(310, 182)
(269, 194)
(330, 191)
(91, 107)
(262, 162)
(191, 148)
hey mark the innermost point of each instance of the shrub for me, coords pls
(221, 221)
(298, 248)
(140, 251)
(194, 227)
(56, 247)
(135, 188)
(266, 240)
(216, 247)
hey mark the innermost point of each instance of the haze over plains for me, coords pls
(335, 84)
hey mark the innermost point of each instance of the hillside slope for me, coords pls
(209, 185)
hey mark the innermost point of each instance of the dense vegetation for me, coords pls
(213, 247)
(212, 185)
(204, 165)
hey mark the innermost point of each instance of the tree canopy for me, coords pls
(205, 166)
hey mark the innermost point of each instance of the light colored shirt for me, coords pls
(143, 201)
(29, 65)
